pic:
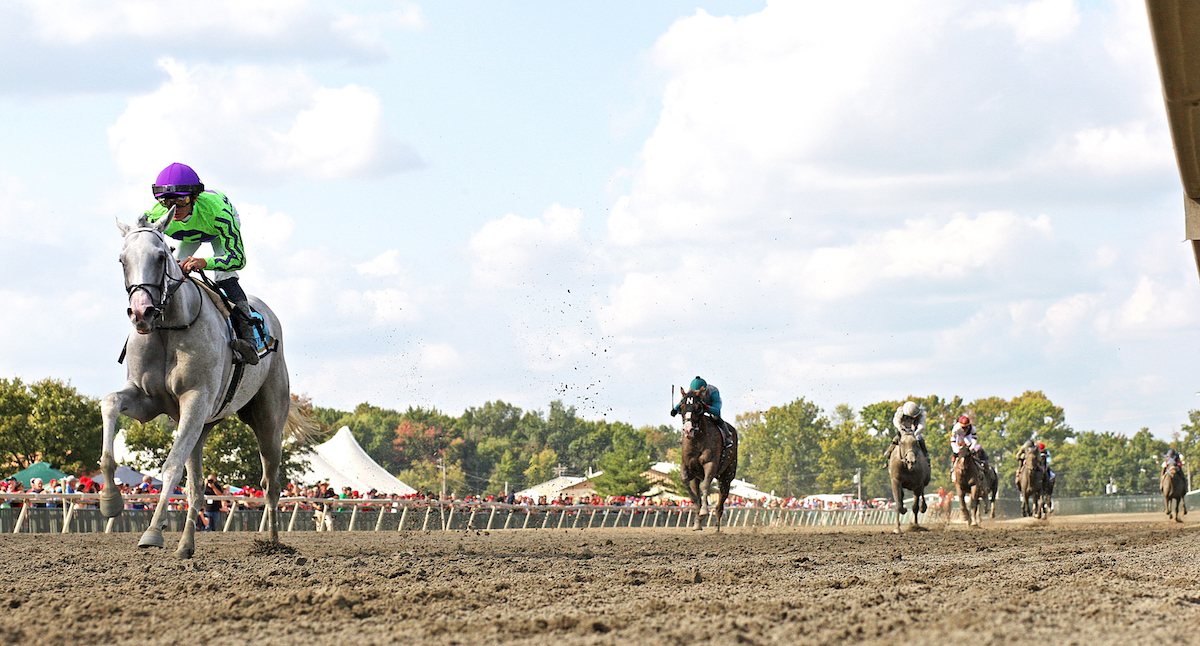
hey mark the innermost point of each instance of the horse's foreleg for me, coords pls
(138, 405)
(710, 471)
(898, 496)
(192, 411)
(693, 485)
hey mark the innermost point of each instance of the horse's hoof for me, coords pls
(151, 538)
(111, 506)
(183, 554)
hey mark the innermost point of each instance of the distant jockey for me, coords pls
(207, 216)
(909, 418)
(1172, 459)
(711, 398)
(962, 435)
(1050, 475)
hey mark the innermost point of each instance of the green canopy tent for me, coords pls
(41, 470)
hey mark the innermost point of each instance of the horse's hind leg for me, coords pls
(723, 493)
(267, 415)
(195, 498)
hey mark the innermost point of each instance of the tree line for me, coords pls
(794, 449)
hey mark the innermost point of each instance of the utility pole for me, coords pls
(442, 465)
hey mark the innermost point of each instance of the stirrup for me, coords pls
(246, 351)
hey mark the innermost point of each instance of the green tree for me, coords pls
(624, 465)
(18, 442)
(781, 448)
(845, 448)
(509, 472)
(426, 475)
(49, 421)
(541, 467)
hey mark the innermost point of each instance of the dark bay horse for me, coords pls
(969, 480)
(993, 480)
(1031, 481)
(909, 469)
(1174, 487)
(179, 363)
(703, 457)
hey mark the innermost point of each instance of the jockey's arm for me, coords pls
(714, 402)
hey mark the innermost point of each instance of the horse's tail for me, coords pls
(300, 425)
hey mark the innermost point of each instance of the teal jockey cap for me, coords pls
(697, 383)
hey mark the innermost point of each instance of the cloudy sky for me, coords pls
(448, 204)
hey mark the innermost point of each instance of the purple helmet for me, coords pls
(177, 179)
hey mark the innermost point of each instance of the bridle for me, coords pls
(691, 408)
(166, 286)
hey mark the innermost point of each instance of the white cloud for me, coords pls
(925, 250)
(89, 45)
(1118, 150)
(261, 228)
(251, 122)
(513, 250)
(385, 264)
(1040, 21)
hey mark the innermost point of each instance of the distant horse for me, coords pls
(909, 469)
(704, 458)
(1174, 487)
(969, 480)
(180, 364)
(993, 480)
(1031, 480)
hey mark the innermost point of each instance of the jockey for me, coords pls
(962, 435)
(207, 216)
(1046, 458)
(909, 417)
(1171, 459)
(711, 398)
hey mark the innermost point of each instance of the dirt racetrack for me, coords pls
(1014, 582)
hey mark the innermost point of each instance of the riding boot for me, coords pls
(244, 345)
(923, 449)
(887, 455)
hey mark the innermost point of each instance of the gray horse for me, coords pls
(179, 364)
(909, 470)
(1174, 487)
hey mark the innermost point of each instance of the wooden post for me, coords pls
(292, 521)
(353, 517)
(425, 525)
(229, 519)
(379, 521)
(21, 516)
(491, 516)
(403, 517)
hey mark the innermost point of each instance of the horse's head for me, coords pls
(908, 449)
(148, 264)
(691, 406)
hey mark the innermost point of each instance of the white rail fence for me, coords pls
(78, 513)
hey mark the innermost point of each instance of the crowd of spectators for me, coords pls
(138, 498)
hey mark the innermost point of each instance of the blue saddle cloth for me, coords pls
(262, 336)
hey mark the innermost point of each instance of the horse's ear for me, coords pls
(122, 226)
(165, 221)
(682, 391)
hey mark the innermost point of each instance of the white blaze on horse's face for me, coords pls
(144, 259)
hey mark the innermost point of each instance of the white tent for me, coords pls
(343, 463)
